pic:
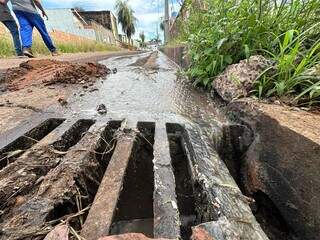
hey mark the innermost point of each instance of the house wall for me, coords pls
(65, 21)
(103, 34)
(104, 18)
(76, 23)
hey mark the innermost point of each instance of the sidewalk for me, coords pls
(6, 63)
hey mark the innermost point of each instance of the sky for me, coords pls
(148, 12)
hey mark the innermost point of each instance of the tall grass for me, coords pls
(297, 70)
(39, 48)
(224, 32)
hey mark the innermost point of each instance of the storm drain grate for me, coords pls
(102, 178)
(27, 140)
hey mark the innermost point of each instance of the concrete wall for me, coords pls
(103, 34)
(178, 55)
(104, 18)
(65, 21)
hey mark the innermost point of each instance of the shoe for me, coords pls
(20, 55)
(55, 53)
(27, 52)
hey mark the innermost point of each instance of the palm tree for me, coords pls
(142, 39)
(126, 18)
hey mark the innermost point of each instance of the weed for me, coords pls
(220, 33)
(39, 48)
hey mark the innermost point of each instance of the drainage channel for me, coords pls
(134, 211)
(232, 147)
(183, 180)
(105, 178)
(66, 191)
(14, 149)
(89, 179)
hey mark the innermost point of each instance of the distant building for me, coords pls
(81, 24)
(104, 18)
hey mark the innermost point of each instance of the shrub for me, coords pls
(297, 70)
(224, 32)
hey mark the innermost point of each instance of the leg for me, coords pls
(39, 24)
(13, 28)
(26, 29)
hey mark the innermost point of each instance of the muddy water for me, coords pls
(147, 86)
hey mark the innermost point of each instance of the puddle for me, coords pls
(134, 212)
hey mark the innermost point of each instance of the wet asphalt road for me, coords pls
(146, 87)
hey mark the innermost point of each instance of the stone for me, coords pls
(102, 109)
(58, 233)
(62, 101)
(215, 230)
(238, 79)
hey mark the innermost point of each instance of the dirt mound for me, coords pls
(47, 72)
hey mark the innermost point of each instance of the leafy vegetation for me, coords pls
(219, 33)
(142, 40)
(126, 17)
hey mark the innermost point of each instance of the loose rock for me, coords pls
(102, 109)
(238, 79)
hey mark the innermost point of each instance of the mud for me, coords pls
(48, 72)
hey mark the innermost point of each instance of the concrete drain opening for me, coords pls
(64, 193)
(73, 135)
(87, 183)
(232, 146)
(14, 149)
(183, 180)
(134, 211)
(106, 144)
(270, 218)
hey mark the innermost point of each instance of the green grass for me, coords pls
(39, 48)
(225, 32)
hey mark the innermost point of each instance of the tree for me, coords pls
(142, 39)
(126, 18)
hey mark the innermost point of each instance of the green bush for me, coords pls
(223, 32)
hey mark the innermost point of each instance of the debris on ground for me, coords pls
(62, 101)
(48, 72)
(102, 109)
(60, 232)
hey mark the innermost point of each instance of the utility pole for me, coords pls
(166, 21)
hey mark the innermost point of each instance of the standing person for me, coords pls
(7, 19)
(28, 18)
